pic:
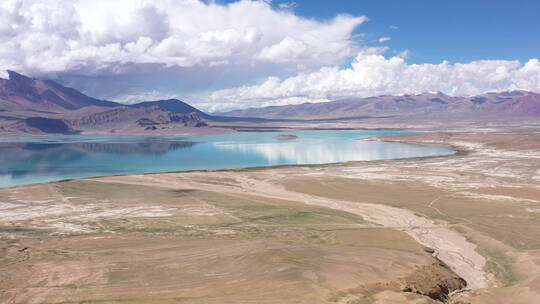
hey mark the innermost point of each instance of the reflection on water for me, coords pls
(324, 153)
(19, 159)
(39, 159)
(150, 145)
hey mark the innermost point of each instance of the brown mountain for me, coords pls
(427, 106)
(35, 106)
(24, 93)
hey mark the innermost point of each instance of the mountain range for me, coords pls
(34, 106)
(426, 106)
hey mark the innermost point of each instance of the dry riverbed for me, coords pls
(462, 229)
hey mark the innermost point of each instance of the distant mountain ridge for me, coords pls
(32, 106)
(425, 106)
(35, 106)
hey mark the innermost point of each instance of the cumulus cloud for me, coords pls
(132, 50)
(372, 74)
(104, 36)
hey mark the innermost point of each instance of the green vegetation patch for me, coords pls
(500, 265)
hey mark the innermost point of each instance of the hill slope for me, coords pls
(24, 93)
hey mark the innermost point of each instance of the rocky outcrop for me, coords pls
(112, 116)
(189, 120)
(435, 281)
(149, 118)
(144, 122)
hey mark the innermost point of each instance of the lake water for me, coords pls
(26, 160)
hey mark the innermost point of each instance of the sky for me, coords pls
(221, 55)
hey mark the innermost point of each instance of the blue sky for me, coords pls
(222, 54)
(437, 30)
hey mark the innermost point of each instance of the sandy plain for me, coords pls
(457, 229)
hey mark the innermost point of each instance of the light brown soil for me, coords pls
(346, 233)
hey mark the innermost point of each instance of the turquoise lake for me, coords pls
(26, 160)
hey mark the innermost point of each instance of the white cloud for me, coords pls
(288, 5)
(287, 49)
(86, 37)
(163, 48)
(372, 74)
(404, 54)
(383, 39)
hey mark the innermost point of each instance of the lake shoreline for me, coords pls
(86, 156)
